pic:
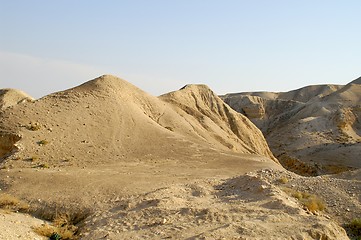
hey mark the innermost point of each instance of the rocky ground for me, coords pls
(250, 206)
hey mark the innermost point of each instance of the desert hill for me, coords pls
(11, 97)
(124, 121)
(123, 164)
(304, 94)
(311, 130)
(109, 122)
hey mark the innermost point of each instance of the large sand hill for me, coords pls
(181, 166)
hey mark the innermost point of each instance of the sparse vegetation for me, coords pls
(283, 180)
(60, 228)
(310, 201)
(43, 142)
(11, 203)
(354, 229)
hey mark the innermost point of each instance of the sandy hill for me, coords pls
(108, 121)
(123, 164)
(11, 97)
(107, 118)
(311, 130)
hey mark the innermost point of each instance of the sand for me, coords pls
(18, 226)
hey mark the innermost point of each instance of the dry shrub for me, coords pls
(310, 201)
(313, 203)
(61, 225)
(12, 203)
(283, 180)
(45, 230)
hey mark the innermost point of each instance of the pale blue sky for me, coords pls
(161, 45)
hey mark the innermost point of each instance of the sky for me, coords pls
(161, 45)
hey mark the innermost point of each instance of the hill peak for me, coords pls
(10, 97)
(356, 81)
(200, 89)
(195, 86)
(106, 81)
(108, 84)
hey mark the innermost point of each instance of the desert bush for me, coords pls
(354, 228)
(313, 203)
(310, 201)
(60, 228)
(283, 180)
(12, 203)
(62, 220)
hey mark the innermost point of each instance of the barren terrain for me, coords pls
(122, 164)
(313, 130)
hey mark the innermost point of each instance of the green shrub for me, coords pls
(354, 228)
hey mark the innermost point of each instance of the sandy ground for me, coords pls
(250, 206)
(18, 226)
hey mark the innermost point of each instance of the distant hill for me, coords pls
(312, 130)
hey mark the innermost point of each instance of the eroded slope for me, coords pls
(312, 130)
